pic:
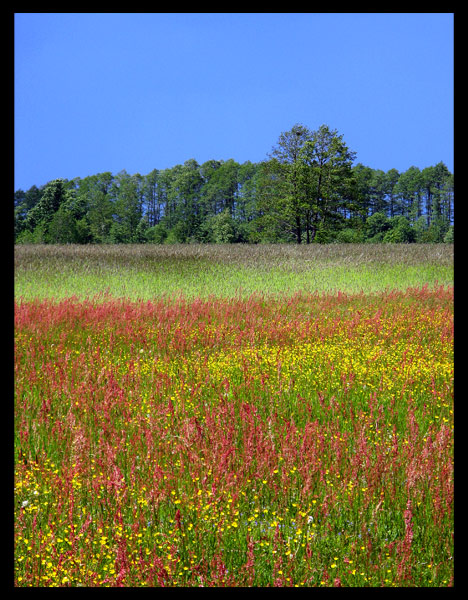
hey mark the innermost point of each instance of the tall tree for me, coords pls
(364, 177)
(220, 191)
(326, 183)
(40, 216)
(409, 193)
(127, 204)
(378, 191)
(273, 222)
(166, 197)
(448, 199)
(32, 197)
(152, 198)
(245, 209)
(96, 192)
(391, 179)
(184, 196)
(209, 190)
(70, 225)
(284, 168)
(434, 181)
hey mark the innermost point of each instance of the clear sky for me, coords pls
(101, 92)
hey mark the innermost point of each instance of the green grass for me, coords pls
(150, 271)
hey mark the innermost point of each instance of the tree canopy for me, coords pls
(307, 190)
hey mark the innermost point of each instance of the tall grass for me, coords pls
(149, 271)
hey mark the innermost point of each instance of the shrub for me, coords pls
(377, 223)
(448, 237)
(223, 228)
(400, 231)
(156, 234)
(349, 236)
(177, 234)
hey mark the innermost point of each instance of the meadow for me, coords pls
(143, 272)
(272, 416)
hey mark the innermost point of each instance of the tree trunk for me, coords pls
(298, 230)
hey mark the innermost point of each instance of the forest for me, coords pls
(309, 189)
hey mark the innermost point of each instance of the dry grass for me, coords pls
(274, 255)
(148, 271)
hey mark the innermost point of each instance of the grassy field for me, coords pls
(149, 271)
(234, 416)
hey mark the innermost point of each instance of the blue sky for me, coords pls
(101, 92)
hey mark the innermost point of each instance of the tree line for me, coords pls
(307, 190)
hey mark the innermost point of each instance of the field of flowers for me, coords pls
(251, 441)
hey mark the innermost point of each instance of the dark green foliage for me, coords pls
(223, 228)
(449, 236)
(376, 224)
(307, 190)
(156, 234)
(39, 219)
(350, 236)
(400, 231)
